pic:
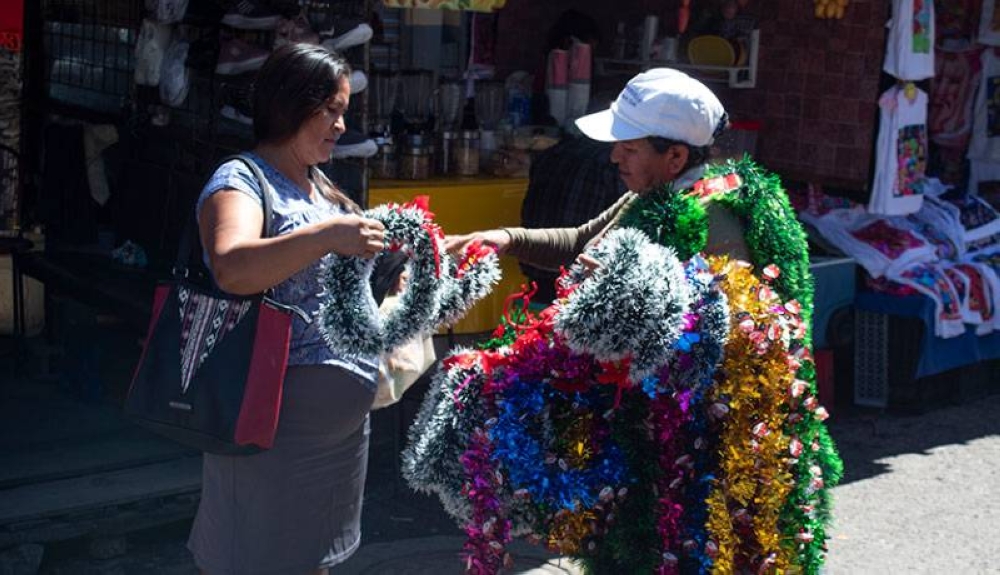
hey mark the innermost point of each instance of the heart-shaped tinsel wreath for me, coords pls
(439, 292)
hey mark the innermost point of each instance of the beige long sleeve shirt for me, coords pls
(550, 248)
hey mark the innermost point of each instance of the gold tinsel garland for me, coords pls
(755, 474)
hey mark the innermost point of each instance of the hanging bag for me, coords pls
(213, 364)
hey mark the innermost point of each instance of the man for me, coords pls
(662, 125)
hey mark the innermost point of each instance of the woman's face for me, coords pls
(640, 166)
(316, 138)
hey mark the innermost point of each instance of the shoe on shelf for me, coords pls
(231, 112)
(349, 33)
(295, 30)
(251, 15)
(354, 144)
(236, 104)
(358, 81)
(237, 57)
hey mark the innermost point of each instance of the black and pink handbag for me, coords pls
(213, 364)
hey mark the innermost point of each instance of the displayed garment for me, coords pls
(980, 222)
(945, 222)
(909, 51)
(901, 152)
(931, 280)
(978, 304)
(876, 244)
(952, 95)
(956, 21)
(988, 263)
(985, 141)
(989, 24)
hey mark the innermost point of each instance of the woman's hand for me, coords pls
(499, 239)
(354, 235)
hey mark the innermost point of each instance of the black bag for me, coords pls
(212, 368)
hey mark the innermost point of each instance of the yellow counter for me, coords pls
(462, 205)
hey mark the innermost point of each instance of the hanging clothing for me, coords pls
(909, 52)
(952, 95)
(989, 24)
(985, 142)
(901, 153)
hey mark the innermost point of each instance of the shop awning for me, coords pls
(470, 5)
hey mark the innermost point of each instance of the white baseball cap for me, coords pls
(660, 102)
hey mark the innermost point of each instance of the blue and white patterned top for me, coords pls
(293, 209)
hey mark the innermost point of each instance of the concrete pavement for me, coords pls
(921, 495)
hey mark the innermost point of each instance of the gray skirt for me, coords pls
(296, 507)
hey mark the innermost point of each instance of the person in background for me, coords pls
(662, 125)
(569, 183)
(295, 508)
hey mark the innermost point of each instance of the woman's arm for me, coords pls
(243, 263)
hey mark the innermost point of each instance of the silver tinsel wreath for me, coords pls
(632, 305)
(348, 317)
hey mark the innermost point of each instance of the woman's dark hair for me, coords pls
(295, 81)
(697, 155)
(292, 85)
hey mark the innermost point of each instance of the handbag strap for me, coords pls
(188, 238)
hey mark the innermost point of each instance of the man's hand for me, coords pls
(499, 239)
(589, 263)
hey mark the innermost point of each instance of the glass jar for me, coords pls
(384, 163)
(465, 153)
(415, 163)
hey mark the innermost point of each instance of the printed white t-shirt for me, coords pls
(909, 51)
(901, 153)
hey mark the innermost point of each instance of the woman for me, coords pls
(295, 508)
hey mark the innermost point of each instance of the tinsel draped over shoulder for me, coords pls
(660, 417)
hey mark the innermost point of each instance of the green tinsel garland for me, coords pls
(774, 236)
(670, 219)
(631, 546)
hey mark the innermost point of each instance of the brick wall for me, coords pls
(817, 84)
(817, 91)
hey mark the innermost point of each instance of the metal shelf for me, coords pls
(734, 76)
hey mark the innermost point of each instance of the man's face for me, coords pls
(642, 168)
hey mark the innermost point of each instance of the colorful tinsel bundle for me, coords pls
(702, 453)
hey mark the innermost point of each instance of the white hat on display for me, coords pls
(660, 102)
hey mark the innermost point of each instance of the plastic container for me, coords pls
(465, 153)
